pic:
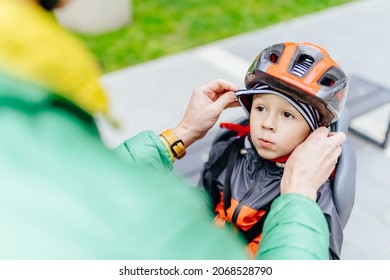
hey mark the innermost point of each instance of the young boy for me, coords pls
(292, 89)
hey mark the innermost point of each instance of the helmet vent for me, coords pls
(328, 81)
(302, 66)
(273, 57)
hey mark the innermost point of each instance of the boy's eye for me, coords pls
(287, 115)
(260, 108)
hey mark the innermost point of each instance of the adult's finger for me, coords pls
(338, 138)
(225, 100)
(221, 85)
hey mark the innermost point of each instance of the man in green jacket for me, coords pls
(63, 195)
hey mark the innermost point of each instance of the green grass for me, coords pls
(162, 27)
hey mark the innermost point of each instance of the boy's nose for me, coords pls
(269, 123)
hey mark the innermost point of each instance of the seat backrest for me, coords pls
(343, 184)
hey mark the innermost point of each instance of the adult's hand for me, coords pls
(312, 162)
(205, 107)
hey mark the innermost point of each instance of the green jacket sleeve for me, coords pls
(294, 229)
(145, 149)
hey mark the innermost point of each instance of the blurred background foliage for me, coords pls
(163, 27)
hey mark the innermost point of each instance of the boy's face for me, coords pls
(276, 126)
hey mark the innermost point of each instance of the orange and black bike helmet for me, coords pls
(303, 71)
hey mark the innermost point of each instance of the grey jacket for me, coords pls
(255, 183)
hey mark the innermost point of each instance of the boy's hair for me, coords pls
(303, 71)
